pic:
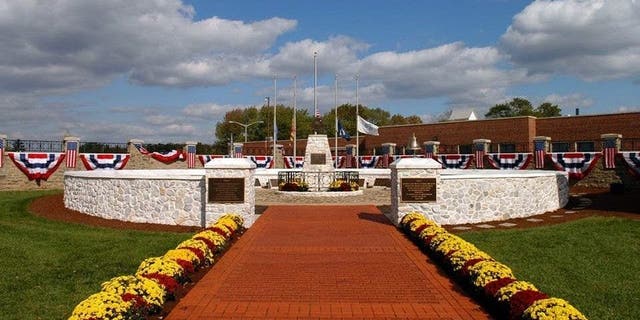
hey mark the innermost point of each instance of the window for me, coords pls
(585, 146)
(559, 147)
(507, 148)
(465, 149)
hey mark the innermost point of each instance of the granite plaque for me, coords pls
(318, 158)
(226, 190)
(418, 189)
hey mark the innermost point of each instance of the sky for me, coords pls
(168, 70)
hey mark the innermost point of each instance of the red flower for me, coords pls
(219, 231)
(522, 300)
(138, 301)
(420, 228)
(491, 288)
(212, 246)
(186, 265)
(469, 264)
(197, 252)
(168, 283)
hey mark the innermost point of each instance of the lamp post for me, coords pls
(245, 126)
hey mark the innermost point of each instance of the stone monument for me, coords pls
(318, 163)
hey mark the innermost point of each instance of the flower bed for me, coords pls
(487, 278)
(157, 278)
(342, 185)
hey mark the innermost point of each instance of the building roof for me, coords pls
(462, 114)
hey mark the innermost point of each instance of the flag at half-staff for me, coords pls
(342, 132)
(367, 127)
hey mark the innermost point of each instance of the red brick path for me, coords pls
(312, 262)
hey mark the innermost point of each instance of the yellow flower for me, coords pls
(182, 254)
(198, 244)
(149, 290)
(552, 309)
(484, 272)
(412, 216)
(460, 257)
(505, 293)
(101, 305)
(162, 266)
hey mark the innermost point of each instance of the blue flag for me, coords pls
(342, 132)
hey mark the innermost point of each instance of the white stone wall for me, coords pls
(148, 196)
(473, 196)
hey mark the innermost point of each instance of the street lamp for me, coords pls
(245, 126)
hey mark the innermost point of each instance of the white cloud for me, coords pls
(593, 39)
(570, 101)
(208, 110)
(68, 44)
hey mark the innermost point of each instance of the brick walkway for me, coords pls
(330, 262)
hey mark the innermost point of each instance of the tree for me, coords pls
(522, 107)
(547, 109)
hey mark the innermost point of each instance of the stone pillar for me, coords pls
(431, 149)
(350, 150)
(279, 160)
(388, 150)
(72, 151)
(190, 150)
(482, 147)
(3, 146)
(541, 146)
(414, 184)
(611, 143)
(229, 189)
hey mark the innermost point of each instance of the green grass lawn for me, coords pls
(593, 263)
(48, 267)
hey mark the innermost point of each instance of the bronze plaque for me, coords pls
(226, 190)
(418, 189)
(318, 158)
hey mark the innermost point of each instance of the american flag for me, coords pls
(72, 153)
(540, 153)
(428, 151)
(479, 155)
(1, 152)
(237, 151)
(609, 152)
(191, 156)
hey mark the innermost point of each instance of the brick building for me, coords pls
(569, 133)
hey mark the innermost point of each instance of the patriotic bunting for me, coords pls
(167, 157)
(632, 159)
(609, 151)
(107, 161)
(204, 158)
(368, 161)
(71, 154)
(37, 166)
(502, 161)
(262, 162)
(141, 148)
(191, 156)
(340, 162)
(291, 164)
(455, 161)
(577, 164)
(539, 146)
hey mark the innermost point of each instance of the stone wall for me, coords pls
(150, 196)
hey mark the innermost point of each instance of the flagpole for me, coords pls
(316, 113)
(275, 103)
(336, 139)
(295, 132)
(357, 119)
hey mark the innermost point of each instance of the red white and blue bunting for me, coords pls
(455, 161)
(204, 158)
(289, 163)
(368, 161)
(632, 159)
(106, 161)
(577, 164)
(262, 162)
(1, 152)
(37, 166)
(509, 161)
(168, 157)
(340, 163)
